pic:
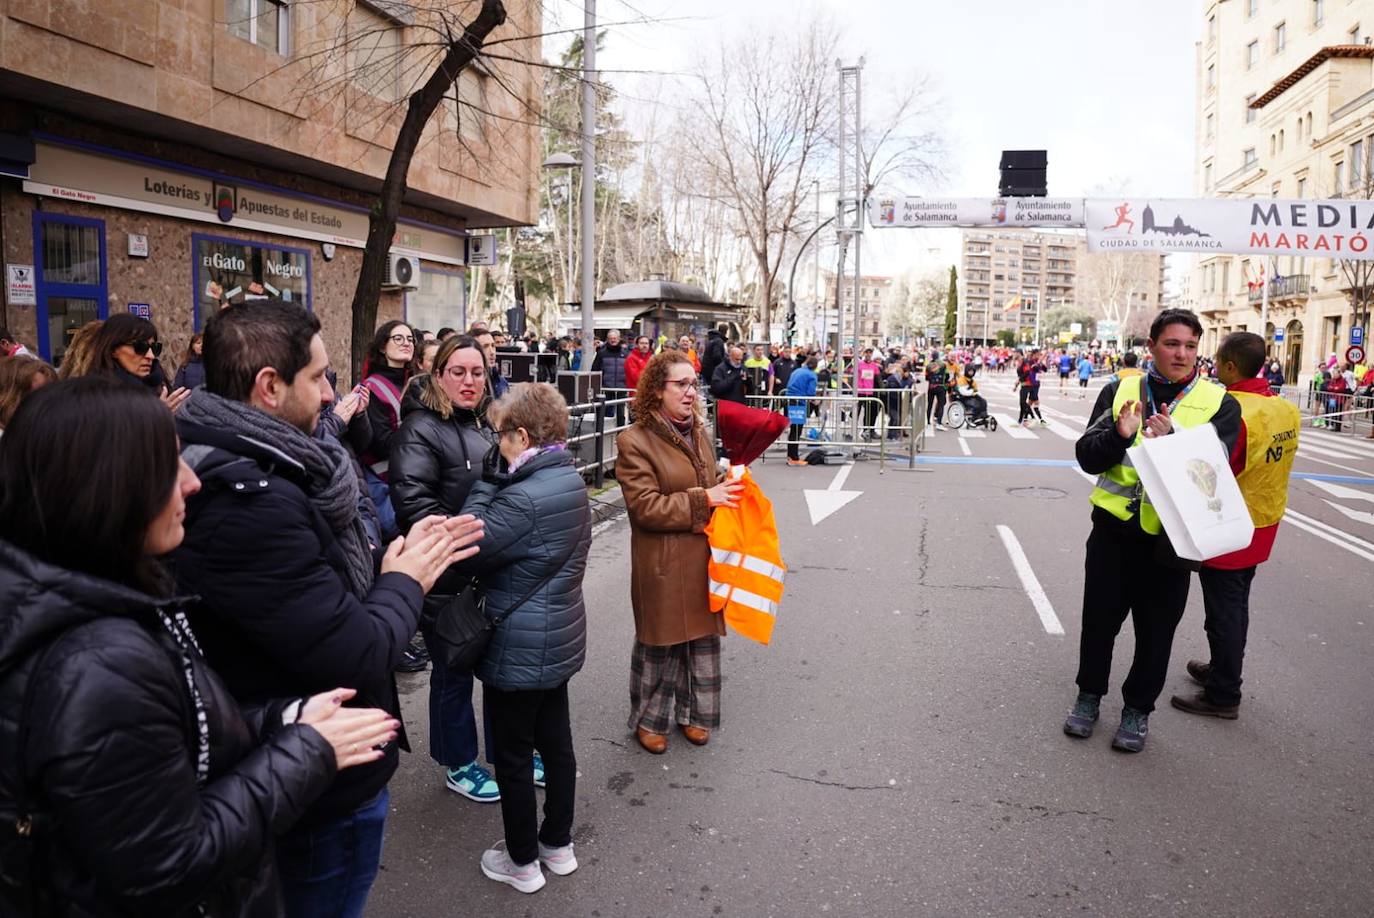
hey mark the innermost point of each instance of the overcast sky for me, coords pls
(1106, 87)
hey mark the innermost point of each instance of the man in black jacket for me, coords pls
(713, 355)
(728, 381)
(1131, 568)
(610, 362)
(277, 550)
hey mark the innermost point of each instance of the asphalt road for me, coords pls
(897, 749)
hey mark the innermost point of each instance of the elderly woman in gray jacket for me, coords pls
(534, 506)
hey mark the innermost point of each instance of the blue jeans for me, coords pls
(380, 492)
(452, 721)
(327, 871)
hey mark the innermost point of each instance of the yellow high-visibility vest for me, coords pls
(1271, 440)
(1118, 489)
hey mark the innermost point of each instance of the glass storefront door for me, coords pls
(69, 263)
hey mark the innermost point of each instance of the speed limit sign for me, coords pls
(1354, 354)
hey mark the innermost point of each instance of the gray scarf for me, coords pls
(332, 485)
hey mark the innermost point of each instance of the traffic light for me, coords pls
(1023, 174)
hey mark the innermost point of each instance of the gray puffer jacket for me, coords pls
(534, 519)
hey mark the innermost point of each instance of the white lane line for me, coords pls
(1016, 431)
(1346, 440)
(972, 434)
(1029, 582)
(1359, 516)
(1346, 542)
(1079, 419)
(1062, 429)
(1341, 491)
(1085, 476)
(1305, 446)
(963, 445)
(1335, 465)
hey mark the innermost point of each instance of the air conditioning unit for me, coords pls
(402, 273)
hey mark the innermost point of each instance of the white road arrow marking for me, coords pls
(1341, 491)
(1359, 516)
(821, 504)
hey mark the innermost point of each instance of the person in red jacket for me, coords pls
(638, 359)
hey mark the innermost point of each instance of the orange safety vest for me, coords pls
(746, 568)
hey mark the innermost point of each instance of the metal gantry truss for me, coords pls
(850, 206)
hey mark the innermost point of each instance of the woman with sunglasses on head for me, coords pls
(436, 458)
(126, 347)
(390, 364)
(131, 782)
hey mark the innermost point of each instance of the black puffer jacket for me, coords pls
(109, 758)
(435, 460)
(534, 520)
(277, 617)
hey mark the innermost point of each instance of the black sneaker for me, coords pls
(415, 659)
(1080, 721)
(1135, 727)
(1198, 671)
(1199, 703)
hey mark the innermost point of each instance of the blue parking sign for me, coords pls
(1357, 334)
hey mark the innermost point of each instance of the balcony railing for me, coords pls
(1293, 287)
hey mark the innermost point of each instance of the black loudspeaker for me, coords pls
(579, 388)
(1023, 174)
(527, 367)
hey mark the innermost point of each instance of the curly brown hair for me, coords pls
(652, 381)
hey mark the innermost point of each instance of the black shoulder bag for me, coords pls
(462, 630)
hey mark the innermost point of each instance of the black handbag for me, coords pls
(461, 629)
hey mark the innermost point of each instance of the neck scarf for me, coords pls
(332, 486)
(533, 451)
(1161, 379)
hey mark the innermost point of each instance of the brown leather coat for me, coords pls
(665, 494)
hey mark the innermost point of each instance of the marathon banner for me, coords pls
(1004, 212)
(1268, 226)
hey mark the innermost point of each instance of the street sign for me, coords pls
(1278, 336)
(1357, 334)
(1354, 354)
(142, 310)
(1107, 330)
(481, 250)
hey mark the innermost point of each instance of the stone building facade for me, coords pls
(164, 156)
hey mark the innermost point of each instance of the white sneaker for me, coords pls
(561, 861)
(498, 866)
(939, 426)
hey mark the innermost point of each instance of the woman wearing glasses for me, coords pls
(436, 457)
(126, 347)
(667, 470)
(390, 364)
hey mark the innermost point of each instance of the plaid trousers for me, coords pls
(682, 677)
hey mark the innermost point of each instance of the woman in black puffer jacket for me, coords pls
(436, 457)
(131, 783)
(534, 507)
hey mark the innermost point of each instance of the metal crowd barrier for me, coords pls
(600, 440)
(1341, 412)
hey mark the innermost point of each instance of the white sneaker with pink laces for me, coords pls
(498, 866)
(561, 861)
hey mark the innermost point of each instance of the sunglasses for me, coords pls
(141, 348)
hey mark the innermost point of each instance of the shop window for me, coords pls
(71, 284)
(231, 271)
(439, 302)
(266, 23)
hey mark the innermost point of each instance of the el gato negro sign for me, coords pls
(1329, 229)
(110, 180)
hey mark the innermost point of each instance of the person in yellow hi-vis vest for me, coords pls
(1130, 568)
(1262, 461)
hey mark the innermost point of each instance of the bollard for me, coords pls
(599, 476)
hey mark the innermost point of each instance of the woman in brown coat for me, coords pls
(667, 471)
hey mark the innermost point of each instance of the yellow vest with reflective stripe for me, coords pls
(1271, 440)
(1118, 489)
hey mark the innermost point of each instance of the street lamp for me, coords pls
(566, 163)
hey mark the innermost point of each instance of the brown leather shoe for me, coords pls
(697, 736)
(656, 743)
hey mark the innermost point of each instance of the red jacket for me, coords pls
(634, 365)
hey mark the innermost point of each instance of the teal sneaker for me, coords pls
(1135, 727)
(538, 770)
(1081, 719)
(473, 782)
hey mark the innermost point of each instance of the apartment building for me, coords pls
(1285, 108)
(873, 291)
(164, 156)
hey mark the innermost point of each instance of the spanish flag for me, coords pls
(1013, 303)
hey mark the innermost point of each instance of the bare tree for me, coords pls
(764, 106)
(1110, 283)
(1357, 275)
(913, 304)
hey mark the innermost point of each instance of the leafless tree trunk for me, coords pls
(1109, 283)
